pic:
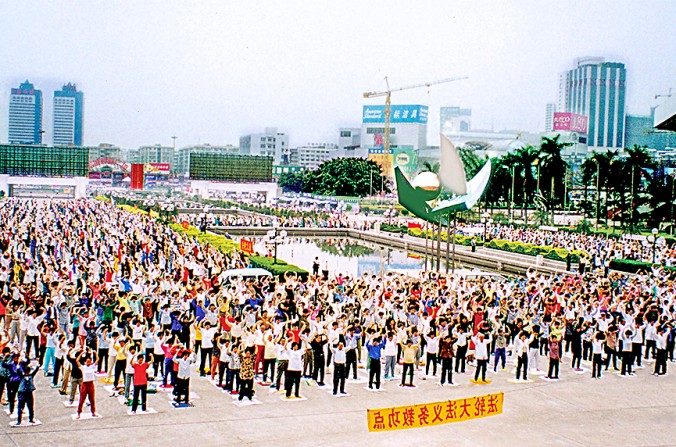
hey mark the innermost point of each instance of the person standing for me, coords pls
(461, 343)
(318, 360)
(554, 358)
(140, 366)
(339, 371)
(25, 391)
(282, 362)
(294, 370)
(408, 351)
(183, 361)
(481, 344)
(374, 347)
(521, 353)
(446, 356)
(87, 388)
(351, 348)
(661, 355)
(500, 349)
(597, 354)
(390, 353)
(432, 352)
(75, 373)
(207, 345)
(627, 352)
(246, 375)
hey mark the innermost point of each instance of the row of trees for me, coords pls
(630, 187)
(338, 177)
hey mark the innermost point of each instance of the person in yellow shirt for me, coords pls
(198, 338)
(120, 359)
(409, 351)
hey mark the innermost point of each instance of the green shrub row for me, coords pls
(555, 254)
(279, 269)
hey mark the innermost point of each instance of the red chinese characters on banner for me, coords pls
(435, 413)
(246, 245)
(136, 176)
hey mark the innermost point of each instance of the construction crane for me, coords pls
(388, 93)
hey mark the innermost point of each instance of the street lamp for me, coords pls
(486, 219)
(653, 240)
(275, 237)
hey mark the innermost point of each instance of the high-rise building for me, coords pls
(455, 119)
(311, 155)
(349, 138)
(151, 154)
(25, 115)
(68, 116)
(640, 132)
(596, 89)
(549, 116)
(270, 143)
(105, 150)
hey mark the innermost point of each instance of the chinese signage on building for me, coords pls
(436, 413)
(570, 122)
(398, 114)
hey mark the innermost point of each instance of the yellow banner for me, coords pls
(435, 413)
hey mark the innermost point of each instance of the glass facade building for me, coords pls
(596, 88)
(25, 115)
(68, 116)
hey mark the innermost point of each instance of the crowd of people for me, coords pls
(90, 293)
(599, 247)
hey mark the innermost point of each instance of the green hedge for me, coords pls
(633, 266)
(279, 269)
(556, 254)
(221, 243)
(393, 228)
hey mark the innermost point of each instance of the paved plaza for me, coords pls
(576, 411)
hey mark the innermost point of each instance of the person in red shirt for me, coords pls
(140, 381)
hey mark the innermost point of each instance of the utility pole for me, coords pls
(598, 192)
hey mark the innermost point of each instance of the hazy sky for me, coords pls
(211, 71)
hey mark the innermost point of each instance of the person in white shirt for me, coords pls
(87, 388)
(481, 355)
(432, 351)
(626, 337)
(597, 354)
(339, 371)
(282, 362)
(293, 370)
(661, 339)
(207, 345)
(390, 353)
(521, 353)
(650, 340)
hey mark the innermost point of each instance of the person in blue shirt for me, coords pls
(374, 346)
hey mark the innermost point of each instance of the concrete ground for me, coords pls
(576, 411)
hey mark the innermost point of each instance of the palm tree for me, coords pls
(524, 158)
(638, 167)
(553, 169)
(597, 167)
